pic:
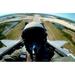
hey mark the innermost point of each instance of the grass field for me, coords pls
(53, 32)
(15, 33)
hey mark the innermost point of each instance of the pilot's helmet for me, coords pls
(34, 32)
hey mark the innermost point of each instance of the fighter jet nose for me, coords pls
(34, 24)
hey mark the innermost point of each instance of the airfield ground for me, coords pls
(57, 34)
(53, 34)
(15, 33)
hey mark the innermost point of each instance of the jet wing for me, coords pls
(58, 47)
(9, 43)
(57, 44)
(11, 46)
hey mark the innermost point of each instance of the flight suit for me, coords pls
(17, 55)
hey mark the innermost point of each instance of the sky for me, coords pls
(70, 16)
(55, 7)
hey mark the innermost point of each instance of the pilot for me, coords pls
(35, 40)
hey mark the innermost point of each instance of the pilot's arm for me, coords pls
(17, 55)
